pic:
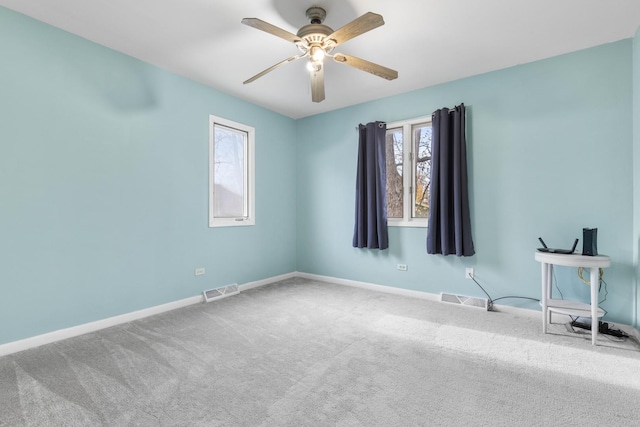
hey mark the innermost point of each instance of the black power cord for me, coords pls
(491, 300)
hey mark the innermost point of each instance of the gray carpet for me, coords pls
(305, 353)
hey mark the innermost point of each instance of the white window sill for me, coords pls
(413, 223)
(231, 222)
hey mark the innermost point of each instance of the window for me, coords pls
(231, 173)
(408, 150)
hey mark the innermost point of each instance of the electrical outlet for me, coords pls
(468, 274)
(402, 267)
(199, 271)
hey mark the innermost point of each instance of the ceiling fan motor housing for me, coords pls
(315, 33)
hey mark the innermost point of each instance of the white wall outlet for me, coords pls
(468, 274)
(199, 271)
(402, 267)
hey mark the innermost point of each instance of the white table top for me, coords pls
(574, 260)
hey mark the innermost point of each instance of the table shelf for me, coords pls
(571, 308)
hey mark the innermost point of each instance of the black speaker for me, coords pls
(590, 241)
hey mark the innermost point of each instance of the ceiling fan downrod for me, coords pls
(316, 15)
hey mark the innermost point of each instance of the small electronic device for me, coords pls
(590, 241)
(544, 248)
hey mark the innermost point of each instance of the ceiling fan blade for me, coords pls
(273, 67)
(369, 67)
(271, 29)
(317, 84)
(366, 22)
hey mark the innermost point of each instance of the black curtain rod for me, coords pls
(451, 109)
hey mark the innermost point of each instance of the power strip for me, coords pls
(603, 328)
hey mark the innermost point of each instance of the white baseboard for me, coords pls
(409, 293)
(25, 344)
(268, 281)
(518, 311)
(372, 287)
(74, 331)
(406, 292)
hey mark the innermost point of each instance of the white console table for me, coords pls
(571, 308)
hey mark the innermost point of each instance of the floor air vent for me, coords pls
(466, 301)
(217, 293)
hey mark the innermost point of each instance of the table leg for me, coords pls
(594, 303)
(549, 290)
(543, 299)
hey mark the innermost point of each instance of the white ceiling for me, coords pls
(426, 41)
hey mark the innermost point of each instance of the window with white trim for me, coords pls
(231, 173)
(408, 152)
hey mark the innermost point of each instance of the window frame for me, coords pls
(408, 179)
(249, 174)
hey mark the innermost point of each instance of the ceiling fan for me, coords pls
(317, 41)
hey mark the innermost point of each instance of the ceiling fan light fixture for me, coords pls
(317, 53)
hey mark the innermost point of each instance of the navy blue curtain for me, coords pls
(370, 229)
(449, 224)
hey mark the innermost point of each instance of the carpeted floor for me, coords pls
(305, 353)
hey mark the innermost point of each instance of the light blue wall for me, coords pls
(103, 184)
(549, 146)
(636, 172)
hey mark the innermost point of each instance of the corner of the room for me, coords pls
(636, 173)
